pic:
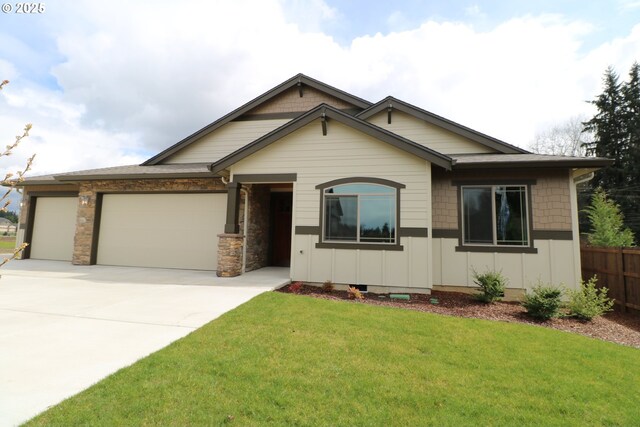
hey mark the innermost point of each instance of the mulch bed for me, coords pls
(617, 327)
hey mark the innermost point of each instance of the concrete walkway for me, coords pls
(65, 327)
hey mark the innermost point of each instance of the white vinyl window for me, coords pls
(495, 215)
(360, 213)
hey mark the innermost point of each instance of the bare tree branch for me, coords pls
(564, 139)
(10, 179)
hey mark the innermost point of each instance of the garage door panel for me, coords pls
(161, 230)
(54, 228)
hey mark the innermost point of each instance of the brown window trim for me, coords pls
(530, 249)
(365, 246)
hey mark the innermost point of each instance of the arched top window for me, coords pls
(361, 211)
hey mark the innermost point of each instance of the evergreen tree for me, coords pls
(607, 227)
(631, 117)
(616, 131)
(608, 130)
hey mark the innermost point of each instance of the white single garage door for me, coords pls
(54, 227)
(161, 230)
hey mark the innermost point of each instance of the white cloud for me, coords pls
(139, 76)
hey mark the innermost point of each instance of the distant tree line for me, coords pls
(10, 215)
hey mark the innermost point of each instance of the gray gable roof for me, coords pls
(434, 119)
(326, 112)
(297, 80)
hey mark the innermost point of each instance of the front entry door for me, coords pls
(281, 229)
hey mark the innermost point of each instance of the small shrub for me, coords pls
(491, 283)
(354, 293)
(295, 287)
(328, 286)
(588, 301)
(544, 302)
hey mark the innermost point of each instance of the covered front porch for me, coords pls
(258, 227)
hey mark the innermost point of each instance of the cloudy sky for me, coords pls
(113, 82)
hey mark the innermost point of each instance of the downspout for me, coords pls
(584, 178)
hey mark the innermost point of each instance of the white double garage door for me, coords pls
(173, 230)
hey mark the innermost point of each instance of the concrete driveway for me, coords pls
(65, 327)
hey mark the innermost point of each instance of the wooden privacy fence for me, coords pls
(618, 269)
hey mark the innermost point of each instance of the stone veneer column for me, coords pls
(229, 255)
(84, 237)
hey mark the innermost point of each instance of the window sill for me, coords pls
(498, 249)
(364, 246)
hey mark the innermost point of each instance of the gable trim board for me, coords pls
(324, 112)
(296, 81)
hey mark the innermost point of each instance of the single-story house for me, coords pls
(306, 176)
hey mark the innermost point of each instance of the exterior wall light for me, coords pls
(84, 200)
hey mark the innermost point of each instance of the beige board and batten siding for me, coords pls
(343, 153)
(554, 263)
(54, 228)
(224, 141)
(161, 230)
(429, 135)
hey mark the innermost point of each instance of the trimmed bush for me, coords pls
(544, 302)
(588, 301)
(491, 283)
(295, 287)
(328, 286)
(354, 293)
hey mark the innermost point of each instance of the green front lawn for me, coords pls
(289, 360)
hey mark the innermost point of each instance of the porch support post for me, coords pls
(233, 204)
(230, 243)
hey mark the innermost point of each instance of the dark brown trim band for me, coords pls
(313, 230)
(268, 116)
(443, 233)
(552, 234)
(493, 182)
(265, 178)
(364, 246)
(414, 232)
(498, 249)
